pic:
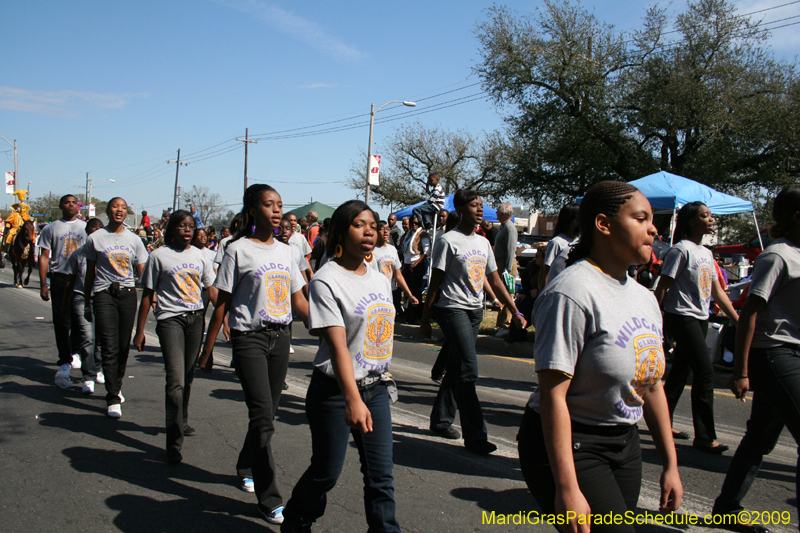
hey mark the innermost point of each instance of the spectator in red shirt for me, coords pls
(313, 227)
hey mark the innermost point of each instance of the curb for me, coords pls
(485, 343)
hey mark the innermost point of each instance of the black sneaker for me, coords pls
(174, 459)
(189, 431)
(448, 433)
(481, 447)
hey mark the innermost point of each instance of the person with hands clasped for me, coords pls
(351, 310)
(175, 275)
(687, 283)
(599, 361)
(462, 262)
(768, 352)
(258, 285)
(112, 253)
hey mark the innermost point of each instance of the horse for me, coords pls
(22, 251)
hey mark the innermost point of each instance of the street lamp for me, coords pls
(16, 178)
(372, 113)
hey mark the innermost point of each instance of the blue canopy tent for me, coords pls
(489, 213)
(669, 192)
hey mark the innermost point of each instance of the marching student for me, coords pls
(599, 361)
(258, 285)
(57, 242)
(768, 353)
(88, 347)
(387, 262)
(567, 229)
(687, 283)
(462, 263)
(112, 254)
(350, 309)
(175, 275)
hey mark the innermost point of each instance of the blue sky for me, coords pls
(115, 88)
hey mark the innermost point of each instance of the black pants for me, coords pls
(180, 338)
(608, 465)
(691, 356)
(261, 359)
(414, 280)
(67, 333)
(115, 316)
(775, 380)
(440, 366)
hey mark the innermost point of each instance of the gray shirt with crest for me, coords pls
(465, 261)
(116, 255)
(178, 278)
(360, 304)
(692, 267)
(261, 279)
(604, 333)
(62, 238)
(776, 279)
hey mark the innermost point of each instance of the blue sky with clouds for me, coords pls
(115, 88)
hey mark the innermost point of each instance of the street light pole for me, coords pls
(16, 161)
(372, 113)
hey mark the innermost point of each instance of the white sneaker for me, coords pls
(76, 361)
(114, 411)
(291, 349)
(101, 378)
(88, 387)
(62, 376)
(121, 397)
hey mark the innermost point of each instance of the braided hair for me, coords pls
(252, 196)
(604, 198)
(787, 203)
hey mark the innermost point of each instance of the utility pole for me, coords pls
(180, 193)
(29, 189)
(86, 198)
(178, 164)
(16, 162)
(246, 142)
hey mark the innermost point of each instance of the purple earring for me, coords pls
(277, 230)
(253, 228)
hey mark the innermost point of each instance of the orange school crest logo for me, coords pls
(380, 332)
(120, 263)
(387, 267)
(189, 283)
(71, 243)
(476, 266)
(277, 293)
(705, 277)
(649, 366)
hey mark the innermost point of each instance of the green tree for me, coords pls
(414, 151)
(584, 102)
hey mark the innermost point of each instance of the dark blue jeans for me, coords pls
(261, 359)
(114, 316)
(457, 391)
(180, 338)
(775, 379)
(325, 407)
(87, 346)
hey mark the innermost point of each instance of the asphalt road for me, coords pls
(65, 466)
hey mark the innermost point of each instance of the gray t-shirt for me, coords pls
(261, 279)
(360, 304)
(178, 278)
(116, 256)
(776, 279)
(465, 261)
(505, 246)
(559, 264)
(607, 335)
(298, 241)
(76, 266)
(692, 267)
(385, 260)
(62, 238)
(299, 258)
(221, 250)
(554, 247)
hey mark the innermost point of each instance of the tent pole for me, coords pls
(672, 225)
(433, 241)
(758, 231)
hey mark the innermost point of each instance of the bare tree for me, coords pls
(415, 150)
(206, 203)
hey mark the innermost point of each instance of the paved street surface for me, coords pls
(66, 467)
